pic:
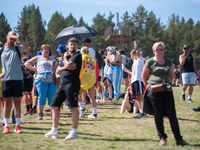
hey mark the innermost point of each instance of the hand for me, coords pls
(13, 36)
(2, 75)
(124, 69)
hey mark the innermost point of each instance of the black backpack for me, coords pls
(129, 63)
(100, 61)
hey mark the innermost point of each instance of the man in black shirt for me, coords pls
(189, 70)
(68, 89)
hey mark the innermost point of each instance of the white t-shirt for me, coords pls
(93, 52)
(124, 61)
(137, 70)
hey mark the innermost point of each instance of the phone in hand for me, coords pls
(185, 53)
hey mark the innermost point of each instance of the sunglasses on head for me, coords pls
(13, 39)
(186, 49)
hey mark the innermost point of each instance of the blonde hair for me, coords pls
(155, 45)
(107, 48)
(84, 50)
(46, 45)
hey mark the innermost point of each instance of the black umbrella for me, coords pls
(79, 32)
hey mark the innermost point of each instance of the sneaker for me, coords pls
(104, 98)
(140, 115)
(182, 143)
(183, 97)
(189, 100)
(72, 135)
(26, 113)
(163, 142)
(68, 109)
(98, 97)
(2, 124)
(109, 98)
(86, 103)
(115, 99)
(34, 111)
(40, 116)
(5, 130)
(18, 129)
(47, 110)
(196, 109)
(92, 116)
(83, 112)
(51, 135)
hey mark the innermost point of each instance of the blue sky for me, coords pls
(88, 9)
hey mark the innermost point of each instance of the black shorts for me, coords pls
(66, 91)
(12, 88)
(28, 85)
(35, 92)
(125, 75)
(131, 108)
(137, 88)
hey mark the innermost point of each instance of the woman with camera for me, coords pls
(160, 69)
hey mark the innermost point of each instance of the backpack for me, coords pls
(100, 61)
(129, 63)
(26, 72)
(16, 48)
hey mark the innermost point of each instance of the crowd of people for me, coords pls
(62, 81)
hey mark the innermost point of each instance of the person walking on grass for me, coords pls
(68, 89)
(188, 70)
(12, 78)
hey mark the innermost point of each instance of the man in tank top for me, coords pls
(189, 70)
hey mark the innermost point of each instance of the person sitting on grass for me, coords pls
(129, 103)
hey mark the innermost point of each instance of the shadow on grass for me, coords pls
(196, 145)
(36, 122)
(118, 139)
(107, 108)
(188, 120)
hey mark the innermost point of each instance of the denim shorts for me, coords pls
(188, 78)
(45, 90)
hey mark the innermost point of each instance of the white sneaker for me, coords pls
(83, 112)
(98, 97)
(52, 135)
(92, 116)
(104, 98)
(72, 135)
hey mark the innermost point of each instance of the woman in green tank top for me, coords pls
(162, 103)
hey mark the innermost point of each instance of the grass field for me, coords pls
(111, 130)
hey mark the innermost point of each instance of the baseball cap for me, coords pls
(87, 40)
(112, 49)
(148, 57)
(185, 46)
(39, 53)
(61, 48)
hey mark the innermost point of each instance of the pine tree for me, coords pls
(4, 28)
(55, 26)
(70, 21)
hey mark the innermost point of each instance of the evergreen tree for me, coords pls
(81, 22)
(55, 26)
(23, 23)
(153, 32)
(100, 25)
(70, 21)
(36, 30)
(139, 18)
(4, 28)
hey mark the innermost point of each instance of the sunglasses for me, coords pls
(186, 49)
(13, 39)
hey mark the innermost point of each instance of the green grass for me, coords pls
(111, 130)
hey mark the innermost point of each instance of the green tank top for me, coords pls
(157, 70)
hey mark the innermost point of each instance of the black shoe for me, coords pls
(34, 111)
(196, 109)
(47, 110)
(140, 115)
(189, 100)
(40, 116)
(26, 113)
(182, 143)
(183, 97)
